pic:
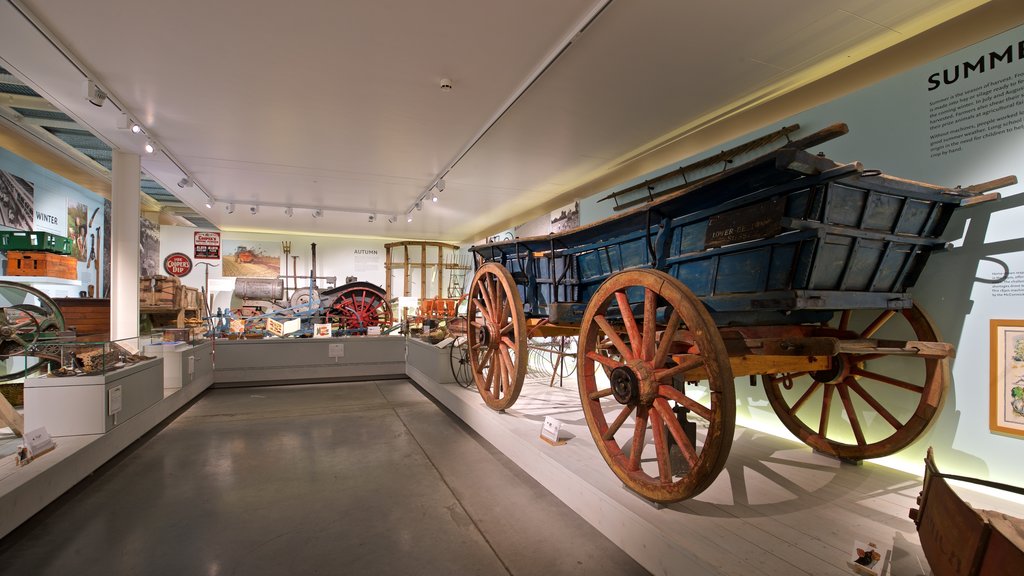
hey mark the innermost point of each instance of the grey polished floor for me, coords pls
(355, 478)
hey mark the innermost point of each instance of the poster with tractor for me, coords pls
(251, 259)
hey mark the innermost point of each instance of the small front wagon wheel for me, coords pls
(497, 336)
(643, 335)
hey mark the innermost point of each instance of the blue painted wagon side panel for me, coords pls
(881, 212)
(829, 263)
(692, 238)
(845, 205)
(915, 214)
(633, 254)
(697, 275)
(783, 261)
(742, 272)
(863, 262)
(891, 266)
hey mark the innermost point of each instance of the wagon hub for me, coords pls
(625, 385)
(837, 373)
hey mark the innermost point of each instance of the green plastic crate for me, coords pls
(44, 241)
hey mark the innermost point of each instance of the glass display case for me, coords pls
(73, 358)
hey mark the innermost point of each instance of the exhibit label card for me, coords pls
(552, 428)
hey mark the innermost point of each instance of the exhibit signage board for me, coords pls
(207, 245)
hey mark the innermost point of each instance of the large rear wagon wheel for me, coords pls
(868, 405)
(497, 336)
(643, 365)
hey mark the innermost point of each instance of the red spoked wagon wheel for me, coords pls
(358, 306)
(497, 336)
(644, 360)
(871, 403)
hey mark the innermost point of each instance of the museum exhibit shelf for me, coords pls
(92, 403)
(432, 361)
(185, 363)
(253, 362)
(777, 508)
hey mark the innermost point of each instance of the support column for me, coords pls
(124, 245)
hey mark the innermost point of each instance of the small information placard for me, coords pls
(321, 330)
(551, 430)
(336, 351)
(38, 442)
(373, 330)
(114, 401)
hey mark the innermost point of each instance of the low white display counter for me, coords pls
(94, 404)
(305, 360)
(184, 363)
(432, 361)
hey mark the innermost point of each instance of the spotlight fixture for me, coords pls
(150, 147)
(209, 202)
(318, 213)
(446, 85)
(372, 218)
(254, 210)
(433, 198)
(185, 182)
(136, 128)
(94, 94)
(229, 208)
(288, 211)
(408, 217)
(419, 205)
(392, 219)
(440, 185)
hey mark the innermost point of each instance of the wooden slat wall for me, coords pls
(90, 317)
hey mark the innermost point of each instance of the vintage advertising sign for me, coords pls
(207, 245)
(177, 264)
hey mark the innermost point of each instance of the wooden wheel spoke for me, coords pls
(661, 447)
(630, 321)
(598, 394)
(685, 401)
(508, 342)
(844, 320)
(650, 324)
(887, 380)
(507, 328)
(489, 381)
(486, 357)
(806, 395)
(603, 360)
(844, 395)
(826, 411)
(639, 436)
(884, 317)
(614, 338)
(875, 404)
(619, 421)
(485, 292)
(665, 345)
(478, 323)
(689, 450)
(510, 370)
(484, 311)
(684, 363)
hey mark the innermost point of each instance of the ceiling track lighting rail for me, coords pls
(289, 209)
(539, 71)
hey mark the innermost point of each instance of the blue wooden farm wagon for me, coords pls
(790, 267)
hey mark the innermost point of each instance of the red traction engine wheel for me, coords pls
(358, 306)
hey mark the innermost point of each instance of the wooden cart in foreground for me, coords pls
(790, 267)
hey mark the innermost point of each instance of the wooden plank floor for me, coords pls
(777, 507)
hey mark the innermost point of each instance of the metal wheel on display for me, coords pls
(662, 362)
(358, 306)
(497, 336)
(29, 322)
(458, 359)
(843, 411)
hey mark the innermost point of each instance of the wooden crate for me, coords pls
(34, 263)
(89, 317)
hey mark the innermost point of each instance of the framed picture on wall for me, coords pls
(1006, 399)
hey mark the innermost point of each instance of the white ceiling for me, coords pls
(338, 104)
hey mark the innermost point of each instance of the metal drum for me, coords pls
(259, 288)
